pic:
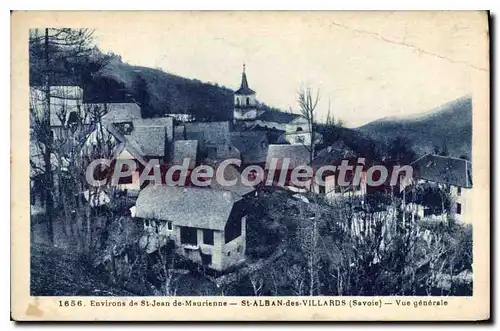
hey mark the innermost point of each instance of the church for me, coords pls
(245, 103)
(249, 112)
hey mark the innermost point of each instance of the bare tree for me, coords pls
(57, 57)
(307, 103)
(257, 282)
(308, 239)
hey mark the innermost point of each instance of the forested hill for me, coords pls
(445, 129)
(160, 92)
(157, 91)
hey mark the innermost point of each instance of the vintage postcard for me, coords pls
(250, 166)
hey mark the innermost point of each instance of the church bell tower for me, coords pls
(245, 103)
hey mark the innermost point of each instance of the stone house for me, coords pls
(333, 156)
(251, 145)
(153, 138)
(214, 139)
(207, 226)
(282, 159)
(277, 120)
(298, 132)
(453, 176)
(66, 107)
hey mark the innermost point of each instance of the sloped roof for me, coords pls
(277, 117)
(297, 154)
(185, 149)
(119, 112)
(212, 133)
(231, 173)
(251, 144)
(166, 122)
(333, 155)
(150, 139)
(203, 208)
(244, 89)
(130, 144)
(149, 136)
(443, 169)
(299, 120)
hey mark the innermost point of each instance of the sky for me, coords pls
(365, 65)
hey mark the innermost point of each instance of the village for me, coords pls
(229, 235)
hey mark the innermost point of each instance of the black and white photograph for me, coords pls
(263, 154)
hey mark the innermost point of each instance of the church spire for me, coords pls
(244, 89)
(244, 82)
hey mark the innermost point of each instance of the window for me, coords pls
(299, 129)
(248, 101)
(228, 253)
(169, 225)
(208, 237)
(189, 236)
(459, 191)
(459, 208)
(238, 101)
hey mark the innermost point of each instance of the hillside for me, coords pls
(360, 143)
(160, 92)
(447, 127)
(55, 271)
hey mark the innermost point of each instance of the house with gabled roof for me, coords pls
(216, 239)
(453, 175)
(282, 159)
(333, 155)
(119, 112)
(251, 145)
(214, 139)
(231, 174)
(66, 109)
(273, 119)
(298, 132)
(145, 139)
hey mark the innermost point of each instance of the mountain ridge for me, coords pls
(447, 128)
